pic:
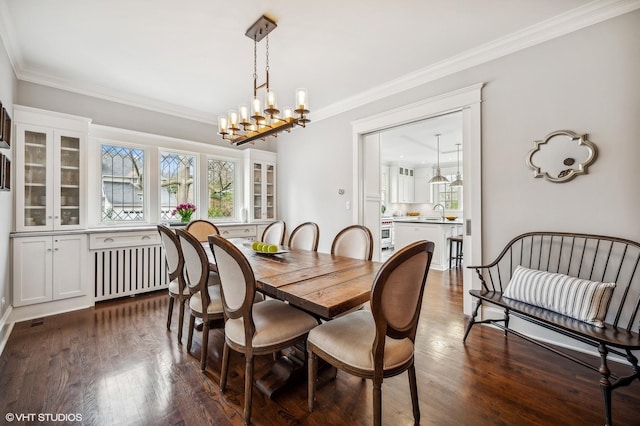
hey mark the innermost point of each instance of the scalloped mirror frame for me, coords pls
(575, 170)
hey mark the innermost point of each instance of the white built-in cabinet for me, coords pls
(48, 268)
(422, 188)
(401, 184)
(260, 190)
(50, 171)
(49, 251)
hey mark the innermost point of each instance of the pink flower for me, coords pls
(184, 209)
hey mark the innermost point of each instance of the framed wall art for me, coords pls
(5, 129)
(1, 120)
(5, 173)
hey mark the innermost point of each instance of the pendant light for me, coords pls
(458, 181)
(438, 178)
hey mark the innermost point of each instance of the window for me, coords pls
(221, 185)
(177, 182)
(122, 184)
(449, 196)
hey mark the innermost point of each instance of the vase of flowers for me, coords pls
(184, 210)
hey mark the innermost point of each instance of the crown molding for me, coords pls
(114, 95)
(589, 14)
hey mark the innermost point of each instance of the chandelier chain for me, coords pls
(255, 59)
(267, 61)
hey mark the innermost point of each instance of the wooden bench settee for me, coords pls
(557, 257)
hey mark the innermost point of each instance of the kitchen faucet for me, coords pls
(439, 205)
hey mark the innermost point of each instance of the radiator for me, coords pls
(128, 271)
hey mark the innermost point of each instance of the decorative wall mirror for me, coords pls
(561, 156)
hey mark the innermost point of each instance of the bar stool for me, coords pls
(457, 241)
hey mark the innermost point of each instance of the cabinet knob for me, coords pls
(49, 249)
(56, 249)
(57, 217)
(49, 217)
(246, 230)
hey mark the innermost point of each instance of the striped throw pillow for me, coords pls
(577, 298)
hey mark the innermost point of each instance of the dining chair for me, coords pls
(177, 288)
(274, 233)
(252, 329)
(353, 241)
(378, 343)
(305, 237)
(201, 229)
(205, 301)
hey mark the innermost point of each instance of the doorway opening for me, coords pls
(368, 201)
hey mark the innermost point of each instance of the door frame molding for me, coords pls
(468, 100)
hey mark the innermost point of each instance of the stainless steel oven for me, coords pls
(386, 233)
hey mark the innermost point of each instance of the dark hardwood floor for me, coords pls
(116, 364)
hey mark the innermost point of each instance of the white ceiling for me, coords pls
(192, 59)
(416, 144)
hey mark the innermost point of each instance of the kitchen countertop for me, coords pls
(419, 219)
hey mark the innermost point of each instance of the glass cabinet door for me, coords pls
(68, 191)
(270, 192)
(36, 197)
(257, 191)
(50, 181)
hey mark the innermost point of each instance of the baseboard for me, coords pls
(5, 328)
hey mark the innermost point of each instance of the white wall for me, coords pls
(121, 116)
(585, 81)
(8, 85)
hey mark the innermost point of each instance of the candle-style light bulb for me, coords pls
(301, 99)
(244, 114)
(222, 125)
(256, 108)
(233, 120)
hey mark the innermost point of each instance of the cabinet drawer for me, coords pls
(124, 239)
(241, 231)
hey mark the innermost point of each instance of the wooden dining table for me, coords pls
(322, 284)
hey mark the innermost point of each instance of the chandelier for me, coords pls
(438, 178)
(248, 124)
(458, 181)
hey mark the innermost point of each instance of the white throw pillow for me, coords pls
(577, 298)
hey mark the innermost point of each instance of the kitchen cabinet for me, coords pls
(409, 232)
(261, 179)
(422, 187)
(401, 184)
(47, 268)
(50, 170)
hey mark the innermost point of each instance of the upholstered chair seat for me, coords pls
(174, 288)
(349, 339)
(292, 323)
(215, 301)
